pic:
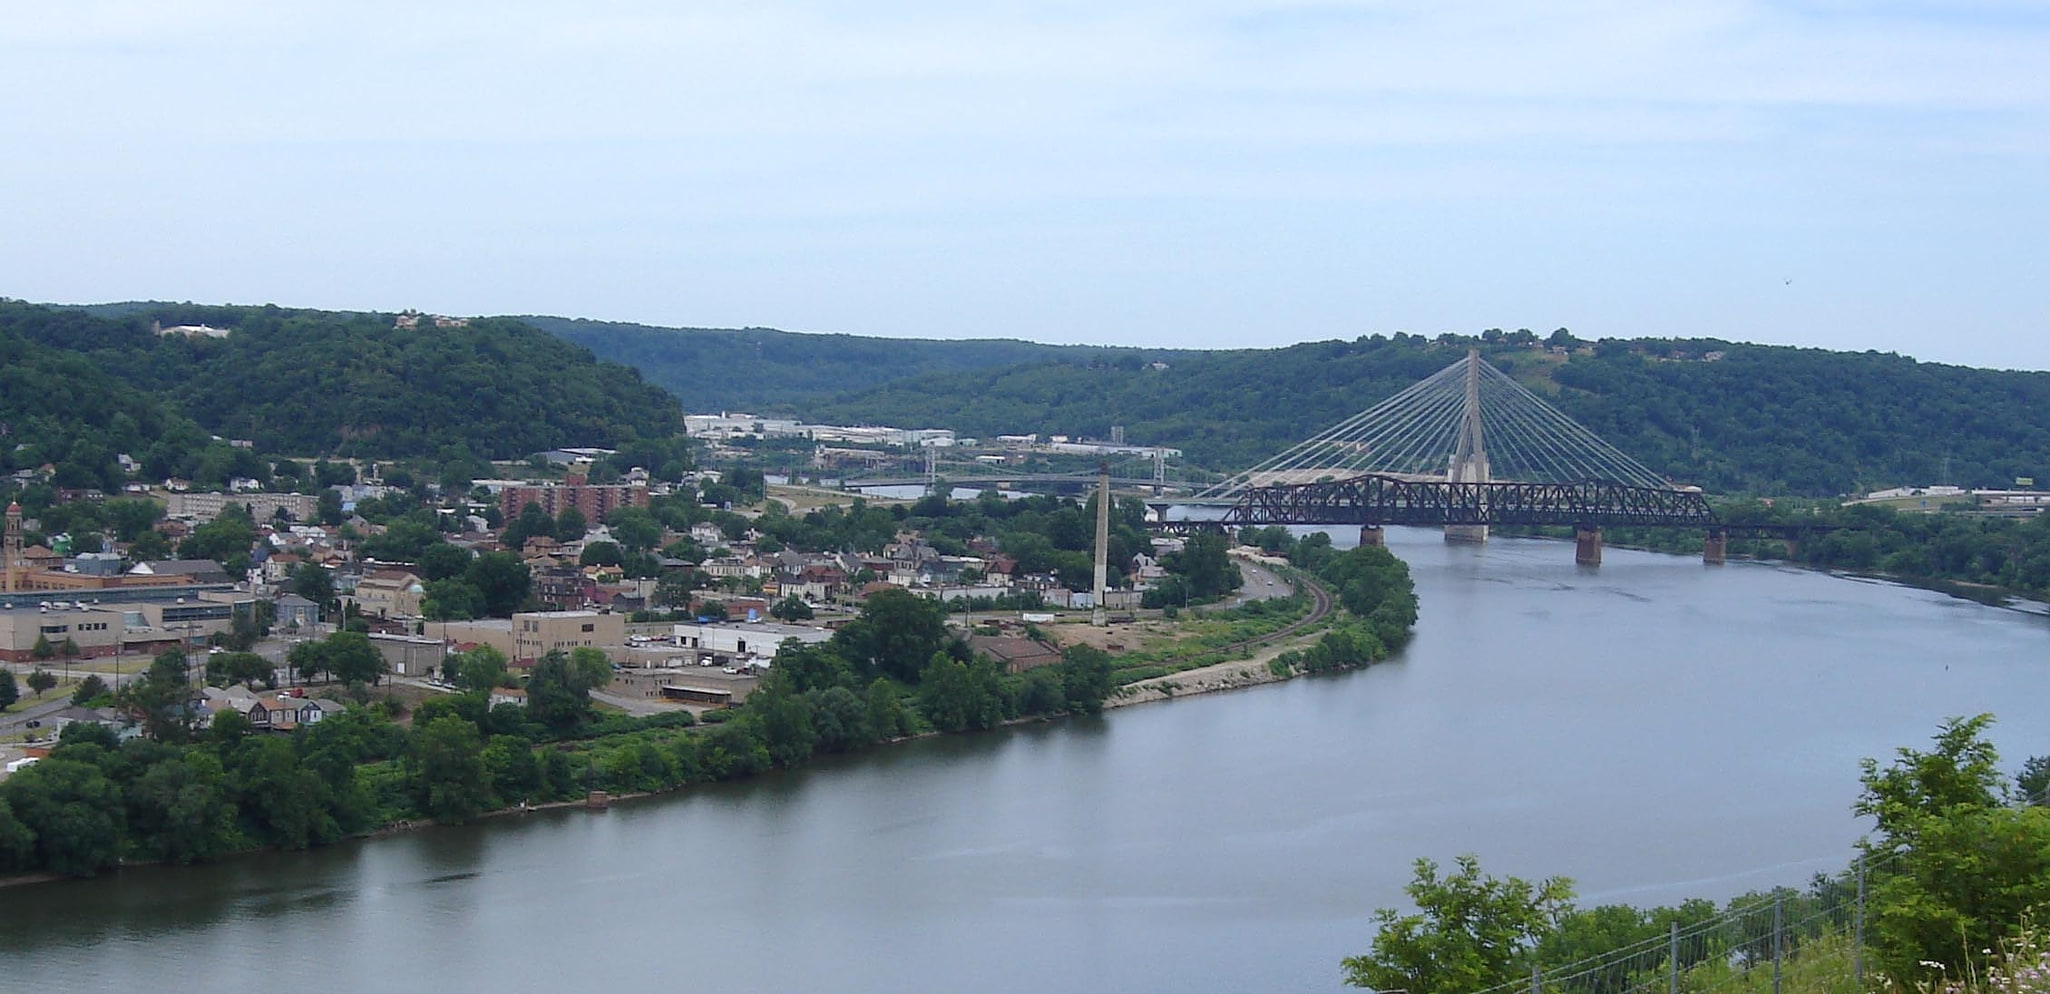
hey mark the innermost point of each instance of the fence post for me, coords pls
(1858, 932)
(1778, 902)
(1673, 959)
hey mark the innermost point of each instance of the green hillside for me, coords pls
(765, 371)
(1757, 419)
(82, 387)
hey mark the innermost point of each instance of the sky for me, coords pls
(1186, 173)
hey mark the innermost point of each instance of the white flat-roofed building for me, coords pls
(758, 639)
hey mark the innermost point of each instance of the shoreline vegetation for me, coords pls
(1978, 558)
(190, 795)
(1949, 895)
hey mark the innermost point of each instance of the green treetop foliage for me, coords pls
(299, 381)
(1470, 932)
(1960, 868)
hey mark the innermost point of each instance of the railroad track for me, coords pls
(1320, 608)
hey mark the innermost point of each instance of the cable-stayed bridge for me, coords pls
(1465, 448)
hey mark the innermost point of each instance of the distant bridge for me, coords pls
(1077, 481)
(1375, 499)
(1423, 457)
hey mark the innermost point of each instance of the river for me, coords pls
(1655, 729)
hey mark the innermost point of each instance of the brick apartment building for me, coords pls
(594, 500)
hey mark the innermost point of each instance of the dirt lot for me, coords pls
(1115, 638)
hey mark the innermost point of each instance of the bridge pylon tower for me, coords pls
(1469, 463)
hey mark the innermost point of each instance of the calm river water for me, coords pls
(1655, 729)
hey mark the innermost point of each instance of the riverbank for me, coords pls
(1236, 674)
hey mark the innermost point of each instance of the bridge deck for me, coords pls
(1374, 499)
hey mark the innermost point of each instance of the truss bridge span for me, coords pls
(1376, 499)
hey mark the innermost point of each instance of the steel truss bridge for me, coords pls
(1376, 499)
(1466, 449)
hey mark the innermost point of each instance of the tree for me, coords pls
(784, 720)
(791, 608)
(446, 764)
(75, 813)
(570, 525)
(558, 693)
(314, 583)
(225, 668)
(179, 809)
(17, 842)
(841, 718)
(41, 680)
(503, 580)
(887, 717)
(1962, 867)
(89, 689)
(308, 659)
(895, 635)
(955, 695)
(635, 528)
(42, 649)
(440, 561)
(452, 600)
(353, 658)
(9, 693)
(1471, 931)
(2033, 782)
(284, 802)
(480, 668)
(1086, 680)
(1205, 567)
(601, 554)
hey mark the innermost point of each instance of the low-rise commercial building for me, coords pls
(744, 640)
(538, 633)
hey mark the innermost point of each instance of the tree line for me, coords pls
(1943, 547)
(77, 389)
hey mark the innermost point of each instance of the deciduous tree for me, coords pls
(1470, 932)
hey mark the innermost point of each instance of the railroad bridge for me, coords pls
(1465, 449)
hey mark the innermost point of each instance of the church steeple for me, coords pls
(13, 549)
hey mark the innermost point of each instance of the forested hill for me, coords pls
(765, 371)
(1754, 419)
(81, 387)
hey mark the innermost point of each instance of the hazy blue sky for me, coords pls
(1183, 172)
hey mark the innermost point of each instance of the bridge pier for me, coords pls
(1373, 536)
(1587, 545)
(1466, 533)
(1715, 548)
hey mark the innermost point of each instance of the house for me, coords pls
(280, 713)
(815, 583)
(1003, 571)
(296, 613)
(389, 593)
(514, 696)
(565, 587)
(278, 567)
